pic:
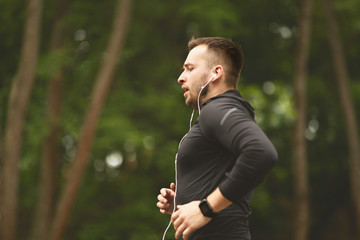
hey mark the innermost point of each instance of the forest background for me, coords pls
(91, 113)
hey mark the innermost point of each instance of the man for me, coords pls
(224, 156)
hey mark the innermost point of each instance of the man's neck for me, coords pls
(217, 91)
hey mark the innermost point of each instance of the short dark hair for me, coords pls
(225, 52)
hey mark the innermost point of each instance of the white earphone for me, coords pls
(198, 99)
(209, 81)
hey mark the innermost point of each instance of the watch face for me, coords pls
(204, 207)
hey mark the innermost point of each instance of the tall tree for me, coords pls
(300, 153)
(18, 102)
(352, 128)
(102, 84)
(47, 186)
(1, 163)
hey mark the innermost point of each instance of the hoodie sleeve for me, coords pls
(233, 127)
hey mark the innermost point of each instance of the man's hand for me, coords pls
(166, 199)
(188, 218)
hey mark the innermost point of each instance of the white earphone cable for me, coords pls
(174, 203)
(198, 98)
(191, 118)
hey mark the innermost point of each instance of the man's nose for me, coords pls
(181, 79)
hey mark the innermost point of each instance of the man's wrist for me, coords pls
(217, 201)
(206, 209)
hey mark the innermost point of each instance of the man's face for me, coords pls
(195, 74)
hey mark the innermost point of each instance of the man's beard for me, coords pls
(192, 101)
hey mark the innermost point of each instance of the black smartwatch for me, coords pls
(206, 209)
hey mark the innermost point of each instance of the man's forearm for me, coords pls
(217, 201)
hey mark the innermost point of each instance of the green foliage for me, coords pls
(144, 116)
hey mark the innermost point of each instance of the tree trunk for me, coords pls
(1, 178)
(18, 102)
(45, 203)
(121, 22)
(352, 128)
(300, 159)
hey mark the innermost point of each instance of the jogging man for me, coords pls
(225, 154)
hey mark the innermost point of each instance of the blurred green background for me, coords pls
(144, 115)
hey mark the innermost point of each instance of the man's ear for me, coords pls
(218, 72)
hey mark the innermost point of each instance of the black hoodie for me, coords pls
(224, 148)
